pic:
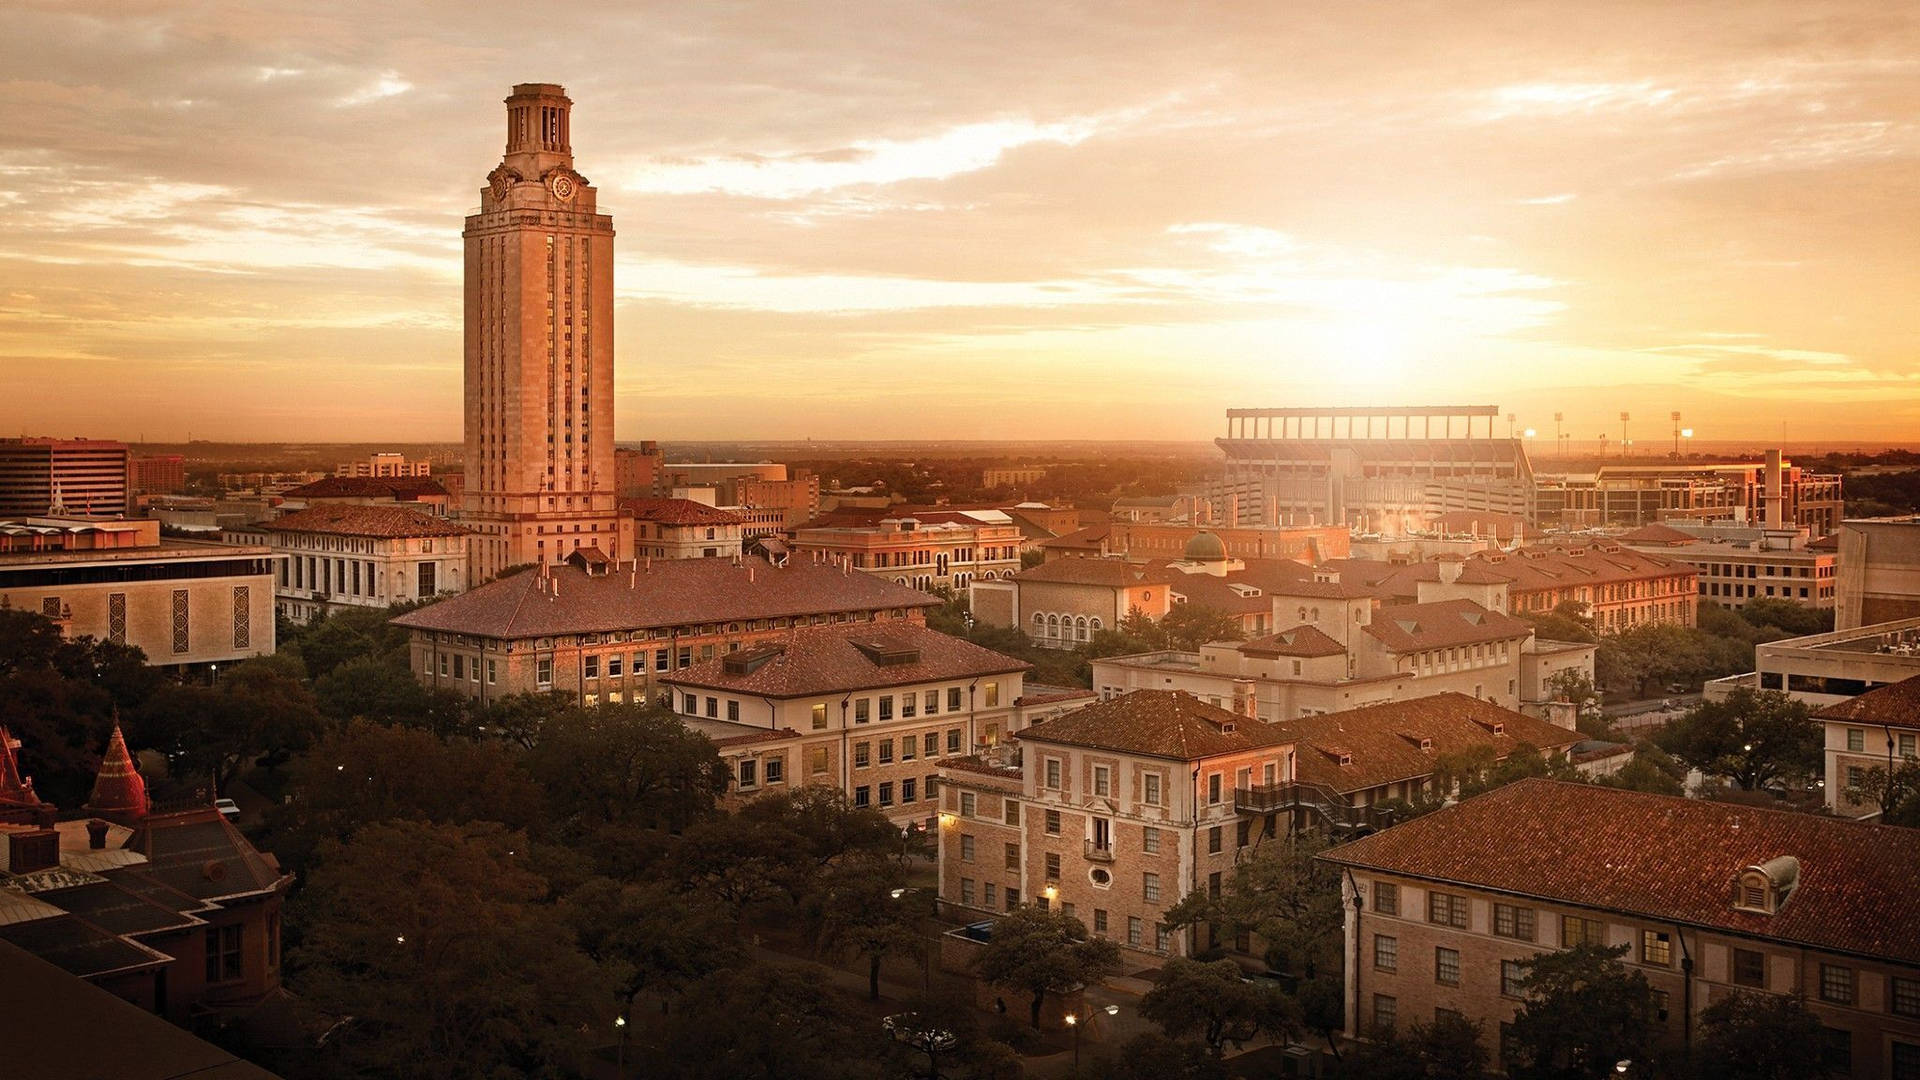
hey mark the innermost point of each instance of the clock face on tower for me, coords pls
(562, 187)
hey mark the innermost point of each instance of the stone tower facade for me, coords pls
(540, 478)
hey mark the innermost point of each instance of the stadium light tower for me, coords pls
(1623, 434)
(1676, 435)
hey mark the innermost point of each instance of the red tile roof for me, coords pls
(1667, 859)
(1087, 539)
(678, 512)
(1413, 627)
(380, 522)
(1299, 641)
(1657, 534)
(1112, 573)
(397, 488)
(1384, 739)
(668, 592)
(1897, 705)
(846, 657)
(1157, 723)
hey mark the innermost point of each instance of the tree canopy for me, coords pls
(1585, 1011)
(1753, 738)
(1040, 951)
(1213, 1003)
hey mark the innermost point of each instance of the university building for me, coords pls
(682, 529)
(869, 708)
(540, 480)
(1739, 565)
(605, 631)
(930, 550)
(337, 556)
(63, 478)
(1878, 729)
(182, 602)
(1708, 898)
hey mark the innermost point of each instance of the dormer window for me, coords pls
(1499, 727)
(1765, 888)
(1346, 759)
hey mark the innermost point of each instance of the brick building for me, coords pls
(156, 474)
(1146, 540)
(423, 493)
(1709, 898)
(384, 464)
(682, 529)
(607, 631)
(941, 549)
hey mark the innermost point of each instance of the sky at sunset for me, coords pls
(978, 220)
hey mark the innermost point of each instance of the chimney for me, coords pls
(97, 834)
(29, 850)
(1245, 701)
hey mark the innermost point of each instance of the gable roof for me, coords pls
(1305, 641)
(1666, 858)
(1157, 723)
(663, 593)
(1658, 534)
(200, 853)
(348, 519)
(678, 512)
(1383, 739)
(397, 488)
(1111, 573)
(1413, 627)
(1896, 705)
(838, 659)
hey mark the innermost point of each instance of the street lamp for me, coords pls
(926, 950)
(1074, 1023)
(620, 1055)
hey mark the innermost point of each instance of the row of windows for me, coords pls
(864, 753)
(909, 789)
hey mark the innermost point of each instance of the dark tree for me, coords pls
(440, 944)
(1283, 894)
(1189, 626)
(1447, 1049)
(258, 711)
(1750, 737)
(522, 717)
(766, 1022)
(1039, 951)
(626, 764)
(648, 939)
(1213, 1003)
(1584, 1013)
(862, 908)
(1156, 1057)
(1759, 1037)
(1896, 793)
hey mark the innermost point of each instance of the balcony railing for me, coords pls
(1099, 852)
(1324, 802)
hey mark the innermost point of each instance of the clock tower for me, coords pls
(539, 350)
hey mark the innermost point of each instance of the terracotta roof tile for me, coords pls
(1299, 641)
(347, 519)
(1668, 859)
(845, 657)
(1413, 627)
(1656, 533)
(1114, 573)
(1157, 723)
(678, 512)
(1897, 704)
(1383, 739)
(668, 592)
(397, 488)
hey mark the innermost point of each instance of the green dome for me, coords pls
(1205, 547)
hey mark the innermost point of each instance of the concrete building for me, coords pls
(1012, 476)
(1376, 470)
(635, 468)
(182, 602)
(1738, 565)
(156, 474)
(1878, 576)
(334, 557)
(63, 478)
(387, 464)
(608, 632)
(1827, 669)
(1709, 898)
(868, 708)
(1880, 728)
(1630, 493)
(682, 529)
(1619, 588)
(539, 350)
(929, 550)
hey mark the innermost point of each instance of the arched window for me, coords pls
(1053, 626)
(1303, 614)
(1039, 621)
(1316, 614)
(1095, 625)
(1080, 628)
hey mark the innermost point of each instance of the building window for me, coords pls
(908, 744)
(223, 953)
(1150, 840)
(1904, 998)
(1386, 952)
(862, 796)
(662, 658)
(777, 770)
(1162, 937)
(908, 789)
(733, 709)
(819, 718)
(1053, 863)
(615, 665)
(933, 702)
(1856, 740)
(1513, 922)
(117, 618)
(966, 891)
(966, 804)
(1213, 789)
(953, 699)
(713, 708)
(1013, 856)
(1836, 984)
(862, 755)
(1010, 811)
(589, 667)
(817, 760)
(748, 772)
(1053, 823)
(1150, 789)
(1053, 774)
(1510, 979)
(909, 706)
(931, 743)
(886, 793)
(1099, 920)
(1150, 888)
(886, 751)
(1386, 898)
(886, 706)
(543, 672)
(988, 893)
(1101, 782)
(1447, 909)
(1136, 931)
(1446, 967)
(1836, 1051)
(1013, 898)
(1656, 948)
(1749, 968)
(1386, 1012)
(860, 711)
(1575, 930)
(953, 741)
(1213, 840)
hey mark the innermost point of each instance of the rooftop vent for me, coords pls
(1764, 888)
(748, 661)
(885, 654)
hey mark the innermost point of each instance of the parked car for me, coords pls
(228, 809)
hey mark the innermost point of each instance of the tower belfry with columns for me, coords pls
(539, 350)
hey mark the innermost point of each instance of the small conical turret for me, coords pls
(118, 789)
